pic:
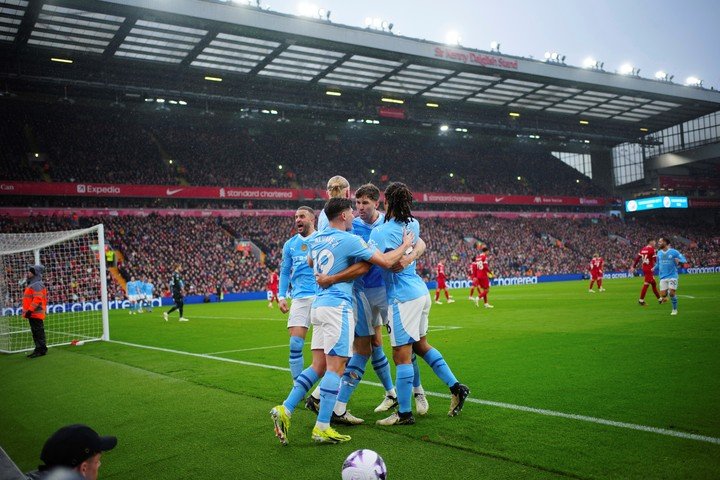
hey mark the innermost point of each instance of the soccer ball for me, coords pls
(364, 465)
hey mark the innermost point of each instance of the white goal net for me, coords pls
(75, 279)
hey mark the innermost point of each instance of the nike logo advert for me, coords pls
(170, 193)
(499, 199)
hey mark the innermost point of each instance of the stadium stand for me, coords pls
(106, 145)
(151, 246)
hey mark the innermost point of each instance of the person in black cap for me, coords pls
(34, 305)
(75, 448)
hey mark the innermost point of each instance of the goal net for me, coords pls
(75, 279)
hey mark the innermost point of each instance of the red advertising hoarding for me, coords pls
(255, 193)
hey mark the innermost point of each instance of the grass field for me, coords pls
(192, 400)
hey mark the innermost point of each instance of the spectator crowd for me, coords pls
(206, 248)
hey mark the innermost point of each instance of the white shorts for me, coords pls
(362, 312)
(668, 284)
(333, 330)
(133, 298)
(408, 321)
(300, 312)
(377, 298)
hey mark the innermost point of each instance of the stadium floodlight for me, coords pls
(333, 93)
(590, 62)
(213, 79)
(368, 22)
(432, 105)
(452, 175)
(519, 178)
(693, 81)
(626, 69)
(548, 55)
(453, 38)
(495, 46)
(280, 167)
(182, 102)
(372, 170)
(392, 100)
(307, 9)
(160, 100)
(61, 60)
(584, 122)
(643, 129)
(444, 128)
(514, 114)
(377, 23)
(660, 75)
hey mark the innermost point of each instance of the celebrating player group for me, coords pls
(348, 279)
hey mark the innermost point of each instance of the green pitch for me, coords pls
(196, 405)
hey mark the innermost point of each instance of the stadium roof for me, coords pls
(255, 46)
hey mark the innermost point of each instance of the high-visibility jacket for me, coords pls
(35, 300)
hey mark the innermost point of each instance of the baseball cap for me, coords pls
(72, 445)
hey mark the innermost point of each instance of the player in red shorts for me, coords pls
(272, 287)
(596, 272)
(441, 285)
(482, 275)
(647, 257)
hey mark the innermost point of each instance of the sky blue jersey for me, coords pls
(133, 287)
(295, 270)
(323, 221)
(332, 252)
(148, 289)
(406, 285)
(373, 278)
(667, 268)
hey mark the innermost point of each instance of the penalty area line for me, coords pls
(490, 403)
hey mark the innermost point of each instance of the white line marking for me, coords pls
(509, 406)
(686, 296)
(249, 349)
(244, 318)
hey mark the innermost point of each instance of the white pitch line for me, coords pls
(249, 349)
(243, 318)
(508, 406)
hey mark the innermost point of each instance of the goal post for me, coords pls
(76, 280)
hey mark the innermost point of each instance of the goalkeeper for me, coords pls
(176, 287)
(34, 305)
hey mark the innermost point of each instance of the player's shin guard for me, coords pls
(416, 372)
(599, 282)
(655, 289)
(296, 356)
(328, 396)
(643, 291)
(381, 365)
(354, 371)
(303, 383)
(441, 369)
(404, 384)
(674, 301)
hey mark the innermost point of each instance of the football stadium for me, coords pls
(246, 243)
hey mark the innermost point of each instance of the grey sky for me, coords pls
(680, 37)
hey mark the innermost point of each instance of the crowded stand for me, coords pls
(134, 146)
(207, 247)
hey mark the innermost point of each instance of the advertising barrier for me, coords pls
(262, 295)
(255, 193)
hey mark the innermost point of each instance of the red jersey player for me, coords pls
(472, 269)
(647, 257)
(596, 272)
(482, 273)
(272, 287)
(441, 285)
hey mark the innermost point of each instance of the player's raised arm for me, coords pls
(417, 251)
(351, 273)
(388, 259)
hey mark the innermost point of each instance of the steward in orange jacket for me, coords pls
(34, 306)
